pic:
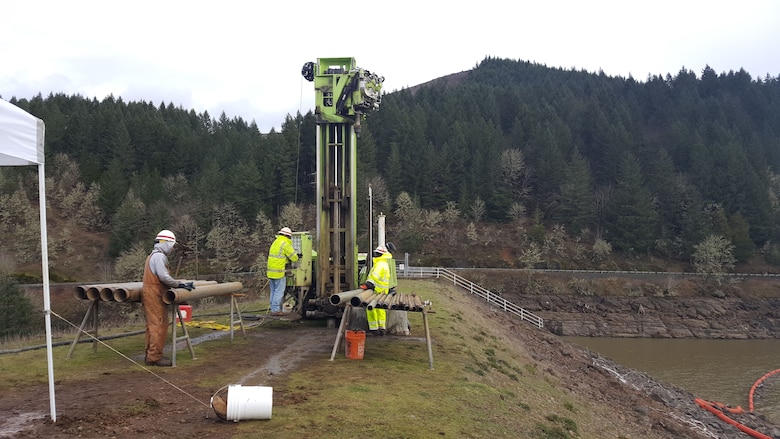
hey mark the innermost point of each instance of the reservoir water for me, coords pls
(715, 370)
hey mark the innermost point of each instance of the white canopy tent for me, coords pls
(21, 144)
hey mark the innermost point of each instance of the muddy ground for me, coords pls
(88, 408)
(162, 404)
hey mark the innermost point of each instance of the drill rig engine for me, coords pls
(344, 95)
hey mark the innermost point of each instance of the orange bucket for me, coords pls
(356, 344)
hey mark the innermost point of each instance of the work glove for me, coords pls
(364, 287)
(189, 286)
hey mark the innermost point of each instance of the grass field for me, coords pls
(484, 384)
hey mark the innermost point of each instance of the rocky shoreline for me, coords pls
(716, 318)
(647, 305)
(657, 317)
(656, 405)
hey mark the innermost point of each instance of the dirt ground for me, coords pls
(160, 400)
(160, 403)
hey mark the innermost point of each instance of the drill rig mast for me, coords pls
(345, 93)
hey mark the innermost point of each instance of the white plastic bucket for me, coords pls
(249, 402)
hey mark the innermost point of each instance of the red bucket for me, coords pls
(186, 313)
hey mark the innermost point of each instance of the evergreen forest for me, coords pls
(640, 168)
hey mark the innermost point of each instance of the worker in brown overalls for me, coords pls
(157, 280)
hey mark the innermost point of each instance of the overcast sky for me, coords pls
(244, 57)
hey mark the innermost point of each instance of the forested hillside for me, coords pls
(531, 163)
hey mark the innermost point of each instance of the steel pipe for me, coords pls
(371, 305)
(344, 297)
(384, 301)
(360, 299)
(133, 294)
(399, 298)
(80, 292)
(107, 295)
(93, 293)
(418, 305)
(111, 290)
(369, 299)
(127, 295)
(176, 295)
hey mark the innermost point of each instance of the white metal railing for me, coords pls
(459, 281)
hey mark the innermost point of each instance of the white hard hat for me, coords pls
(381, 249)
(166, 235)
(285, 231)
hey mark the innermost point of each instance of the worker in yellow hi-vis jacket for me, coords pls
(281, 251)
(379, 281)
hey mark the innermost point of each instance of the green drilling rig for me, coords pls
(345, 94)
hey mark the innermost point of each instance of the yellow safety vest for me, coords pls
(281, 250)
(380, 273)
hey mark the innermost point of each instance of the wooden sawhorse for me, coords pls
(92, 311)
(92, 317)
(235, 315)
(347, 315)
(176, 315)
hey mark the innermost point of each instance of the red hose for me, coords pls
(755, 386)
(709, 406)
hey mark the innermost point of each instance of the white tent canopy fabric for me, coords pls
(21, 144)
(21, 137)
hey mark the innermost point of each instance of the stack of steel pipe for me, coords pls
(400, 301)
(120, 292)
(92, 292)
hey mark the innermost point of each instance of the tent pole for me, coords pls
(22, 139)
(46, 291)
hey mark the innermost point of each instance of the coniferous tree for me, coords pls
(393, 170)
(438, 189)
(545, 157)
(631, 214)
(744, 248)
(113, 187)
(127, 224)
(443, 143)
(16, 310)
(229, 233)
(210, 184)
(243, 186)
(576, 208)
